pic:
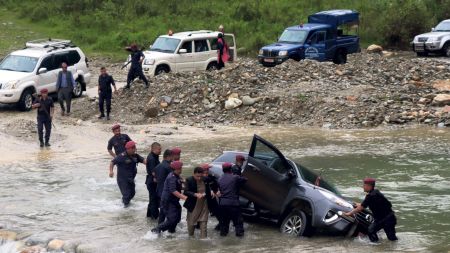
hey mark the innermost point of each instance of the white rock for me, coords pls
(374, 49)
(232, 103)
(248, 101)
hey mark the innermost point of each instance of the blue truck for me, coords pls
(322, 39)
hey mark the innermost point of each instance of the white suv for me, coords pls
(185, 51)
(25, 72)
(436, 41)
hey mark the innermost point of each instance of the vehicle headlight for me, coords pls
(11, 85)
(436, 39)
(261, 52)
(149, 61)
(336, 200)
(282, 53)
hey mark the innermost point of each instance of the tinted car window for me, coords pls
(310, 177)
(73, 57)
(48, 63)
(201, 46)
(318, 37)
(271, 159)
(59, 59)
(188, 46)
(213, 43)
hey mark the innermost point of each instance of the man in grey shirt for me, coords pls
(65, 84)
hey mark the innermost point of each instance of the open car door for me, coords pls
(269, 176)
(231, 41)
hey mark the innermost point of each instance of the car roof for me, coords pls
(193, 35)
(308, 26)
(39, 52)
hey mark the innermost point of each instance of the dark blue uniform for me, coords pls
(170, 204)
(43, 119)
(229, 185)
(118, 143)
(152, 209)
(161, 172)
(126, 172)
(382, 212)
(136, 68)
(236, 170)
(104, 86)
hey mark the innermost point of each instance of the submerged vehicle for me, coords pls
(291, 195)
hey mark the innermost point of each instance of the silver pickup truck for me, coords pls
(437, 41)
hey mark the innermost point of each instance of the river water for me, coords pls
(56, 195)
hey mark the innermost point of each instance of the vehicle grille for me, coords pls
(270, 53)
(361, 218)
(422, 39)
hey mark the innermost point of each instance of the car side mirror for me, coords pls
(42, 71)
(309, 42)
(291, 174)
(432, 29)
(150, 46)
(182, 51)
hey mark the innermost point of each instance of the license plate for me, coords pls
(269, 60)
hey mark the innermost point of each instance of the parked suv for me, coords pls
(27, 71)
(185, 51)
(295, 197)
(437, 41)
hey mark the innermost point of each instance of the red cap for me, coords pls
(115, 126)
(176, 151)
(44, 91)
(130, 144)
(205, 166)
(240, 158)
(176, 165)
(227, 165)
(369, 180)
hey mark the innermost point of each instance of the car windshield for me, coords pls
(293, 36)
(311, 177)
(165, 45)
(18, 63)
(443, 27)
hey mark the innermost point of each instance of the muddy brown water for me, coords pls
(67, 194)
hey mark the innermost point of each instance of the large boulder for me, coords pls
(232, 103)
(55, 244)
(442, 99)
(375, 49)
(248, 101)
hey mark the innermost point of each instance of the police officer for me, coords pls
(229, 185)
(237, 167)
(126, 171)
(176, 154)
(45, 110)
(105, 82)
(170, 200)
(117, 142)
(161, 172)
(137, 57)
(381, 209)
(152, 162)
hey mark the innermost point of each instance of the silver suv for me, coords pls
(437, 41)
(27, 71)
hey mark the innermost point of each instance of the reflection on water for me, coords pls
(71, 197)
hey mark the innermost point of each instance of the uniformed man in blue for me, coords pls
(160, 174)
(170, 200)
(105, 82)
(118, 141)
(152, 162)
(237, 167)
(229, 204)
(381, 209)
(45, 111)
(137, 57)
(126, 171)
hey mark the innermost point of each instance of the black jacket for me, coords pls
(190, 190)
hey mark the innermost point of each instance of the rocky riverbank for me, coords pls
(369, 91)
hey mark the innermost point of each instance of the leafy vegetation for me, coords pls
(105, 26)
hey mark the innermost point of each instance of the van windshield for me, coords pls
(165, 45)
(443, 27)
(293, 36)
(18, 63)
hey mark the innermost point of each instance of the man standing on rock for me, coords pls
(152, 162)
(161, 173)
(65, 85)
(117, 142)
(105, 82)
(170, 200)
(137, 57)
(126, 171)
(45, 110)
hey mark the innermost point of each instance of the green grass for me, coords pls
(106, 26)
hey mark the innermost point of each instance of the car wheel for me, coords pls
(340, 57)
(294, 224)
(446, 49)
(212, 66)
(422, 54)
(160, 70)
(26, 100)
(78, 89)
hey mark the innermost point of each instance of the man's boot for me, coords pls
(107, 117)
(41, 144)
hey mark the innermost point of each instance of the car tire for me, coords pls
(295, 223)
(422, 54)
(161, 69)
(446, 49)
(340, 57)
(78, 89)
(212, 66)
(26, 100)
